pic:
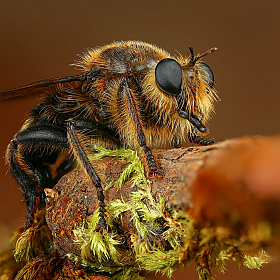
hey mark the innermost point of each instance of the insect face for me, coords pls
(131, 94)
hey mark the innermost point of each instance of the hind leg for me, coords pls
(29, 156)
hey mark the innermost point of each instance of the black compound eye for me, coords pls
(169, 76)
(208, 74)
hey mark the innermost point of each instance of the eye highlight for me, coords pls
(208, 74)
(168, 74)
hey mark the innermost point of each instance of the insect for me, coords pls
(129, 94)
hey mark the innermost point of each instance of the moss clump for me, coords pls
(161, 238)
(164, 238)
(101, 243)
(35, 241)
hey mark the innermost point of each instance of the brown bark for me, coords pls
(233, 184)
(231, 190)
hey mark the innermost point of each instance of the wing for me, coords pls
(40, 87)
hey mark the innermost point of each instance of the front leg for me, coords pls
(134, 112)
(200, 141)
(81, 155)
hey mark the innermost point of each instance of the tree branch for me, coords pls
(214, 203)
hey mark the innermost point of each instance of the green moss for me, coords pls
(254, 261)
(102, 244)
(164, 240)
(35, 241)
(134, 165)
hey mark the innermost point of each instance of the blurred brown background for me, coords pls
(39, 39)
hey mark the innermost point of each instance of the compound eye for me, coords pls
(208, 74)
(169, 76)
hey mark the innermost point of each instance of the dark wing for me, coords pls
(40, 87)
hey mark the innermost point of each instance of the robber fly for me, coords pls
(130, 94)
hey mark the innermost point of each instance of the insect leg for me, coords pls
(80, 154)
(27, 181)
(200, 141)
(103, 135)
(135, 119)
(28, 163)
